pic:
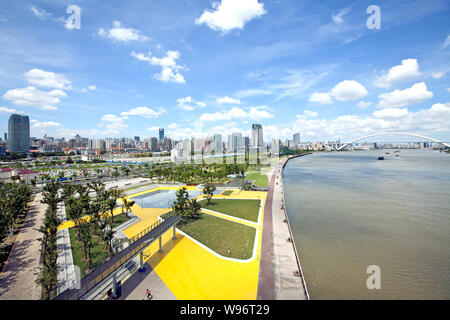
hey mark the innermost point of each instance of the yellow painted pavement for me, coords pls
(189, 270)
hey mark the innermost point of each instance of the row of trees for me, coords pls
(190, 173)
(14, 199)
(93, 217)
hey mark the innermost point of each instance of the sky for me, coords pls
(198, 67)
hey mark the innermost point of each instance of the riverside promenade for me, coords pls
(23, 265)
(281, 277)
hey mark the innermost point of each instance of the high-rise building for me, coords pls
(296, 138)
(257, 140)
(5, 136)
(137, 139)
(19, 134)
(161, 134)
(218, 145)
(237, 141)
(153, 144)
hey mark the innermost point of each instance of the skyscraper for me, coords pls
(296, 138)
(19, 134)
(218, 145)
(161, 134)
(257, 136)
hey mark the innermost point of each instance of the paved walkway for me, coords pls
(266, 282)
(22, 267)
(134, 288)
(287, 285)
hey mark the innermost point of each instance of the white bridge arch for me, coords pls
(392, 134)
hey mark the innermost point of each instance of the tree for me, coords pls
(127, 204)
(209, 191)
(185, 208)
(86, 239)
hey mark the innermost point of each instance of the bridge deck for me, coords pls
(99, 274)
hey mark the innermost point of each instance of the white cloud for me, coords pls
(40, 13)
(408, 69)
(93, 87)
(390, 113)
(144, 112)
(32, 97)
(187, 103)
(113, 124)
(154, 129)
(320, 97)
(121, 34)
(10, 110)
(364, 104)
(448, 90)
(310, 113)
(227, 100)
(44, 124)
(348, 90)
(253, 92)
(231, 14)
(438, 75)
(254, 113)
(47, 79)
(170, 69)
(172, 126)
(429, 122)
(400, 98)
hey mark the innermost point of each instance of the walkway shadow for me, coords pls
(156, 257)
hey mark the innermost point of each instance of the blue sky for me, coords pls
(197, 68)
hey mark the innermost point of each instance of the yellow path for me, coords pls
(189, 270)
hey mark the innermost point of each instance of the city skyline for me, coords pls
(134, 75)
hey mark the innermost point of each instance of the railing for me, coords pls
(101, 273)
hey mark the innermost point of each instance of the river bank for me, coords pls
(281, 276)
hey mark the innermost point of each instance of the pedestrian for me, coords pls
(148, 294)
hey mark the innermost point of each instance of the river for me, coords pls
(349, 211)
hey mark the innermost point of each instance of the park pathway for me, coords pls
(22, 268)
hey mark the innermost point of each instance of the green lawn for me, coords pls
(261, 180)
(222, 236)
(226, 193)
(244, 209)
(99, 251)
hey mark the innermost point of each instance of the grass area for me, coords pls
(226, 193)
(99, 251)
(261, 180)
(244, 209)
(228, 238)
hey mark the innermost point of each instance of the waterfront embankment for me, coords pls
(281, 275)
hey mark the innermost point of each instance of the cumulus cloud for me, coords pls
(320, 97)
(254, 113)
(113, 123)
(426, 121)
(408, 69)
(231, 14)
(44, 124)
(170, 69)
(10, 110)
(400, 98)
(227, 100)
(172, 126)
(364, 104)
(121, 34)
(310, 113)
(348, 90)
(144, 112)
(188, 103)
(390, 113)
(32, 97)
(92, 87)
(47, 79)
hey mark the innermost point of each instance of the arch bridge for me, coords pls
(390, 134)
